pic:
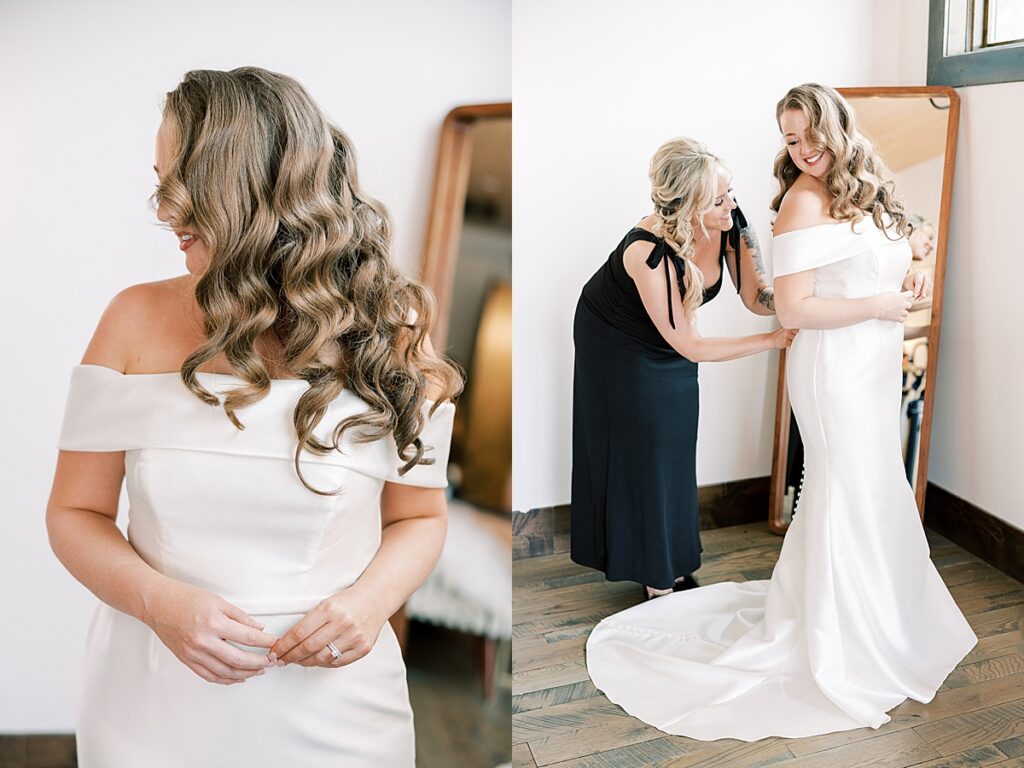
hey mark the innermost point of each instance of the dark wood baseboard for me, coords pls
(540, 531)
(738, 502)
(38, 751)
(545, 530)
(981, 533)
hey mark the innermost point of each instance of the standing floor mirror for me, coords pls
(467, 264)
(915, 130)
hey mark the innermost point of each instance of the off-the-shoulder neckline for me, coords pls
(231, 376)
(813, 226)
(833, 224)
(177, 374)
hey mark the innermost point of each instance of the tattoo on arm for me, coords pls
(754, 248)
(765, 295)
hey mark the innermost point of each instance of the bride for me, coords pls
(855, 618)
(281, 425)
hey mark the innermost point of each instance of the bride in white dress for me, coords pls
(855, 618)
(282, 426)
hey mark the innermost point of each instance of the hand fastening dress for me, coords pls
(224, 510)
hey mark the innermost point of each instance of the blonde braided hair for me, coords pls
(683, 184)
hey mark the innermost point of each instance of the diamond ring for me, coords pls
(334, 650)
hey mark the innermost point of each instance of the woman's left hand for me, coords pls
(349, 619)
(920, 283)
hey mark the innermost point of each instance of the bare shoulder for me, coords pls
(131, 317)
(805, 205)
(636, 253)
(634, 258)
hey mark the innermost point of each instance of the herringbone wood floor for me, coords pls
(559, 718)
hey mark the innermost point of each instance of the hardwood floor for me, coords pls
(559, 719)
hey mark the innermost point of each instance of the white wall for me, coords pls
(81, 86)
(598, 86)
(977, 448)
(977, 445)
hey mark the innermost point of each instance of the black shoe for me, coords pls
(687, 582)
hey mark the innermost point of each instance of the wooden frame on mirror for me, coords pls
(444, 227)
(776, 505)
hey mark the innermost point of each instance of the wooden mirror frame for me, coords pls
(782, 408)
(444, 227)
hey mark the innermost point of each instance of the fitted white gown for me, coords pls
(224, 510)
(855, 617)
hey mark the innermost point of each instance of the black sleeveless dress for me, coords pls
(634, 426)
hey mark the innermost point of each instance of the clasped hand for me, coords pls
(200, 629)
(348, 619)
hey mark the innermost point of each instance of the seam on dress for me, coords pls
(160, 536)
(827, 494)
(646, 632)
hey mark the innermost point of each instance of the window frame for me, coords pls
(999, 63)
(986, 18)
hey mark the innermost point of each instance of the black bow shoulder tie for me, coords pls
(663, 253)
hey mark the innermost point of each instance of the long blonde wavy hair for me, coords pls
(270, 186)
(683, 176)
(857, 180)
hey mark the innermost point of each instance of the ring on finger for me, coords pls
(328, 660)
(335, 653)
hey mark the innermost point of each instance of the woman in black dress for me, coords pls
(635, 396)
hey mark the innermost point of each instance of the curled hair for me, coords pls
(683, 185)
(296, 246)
(857, 180)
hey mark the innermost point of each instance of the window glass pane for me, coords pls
(1005, 21)
(957, 14)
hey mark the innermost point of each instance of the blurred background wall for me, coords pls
(81, 88)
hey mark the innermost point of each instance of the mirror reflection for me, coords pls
(910, 132)
(480, 323)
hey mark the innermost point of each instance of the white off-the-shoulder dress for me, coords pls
(224, 510)
(855, 618)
